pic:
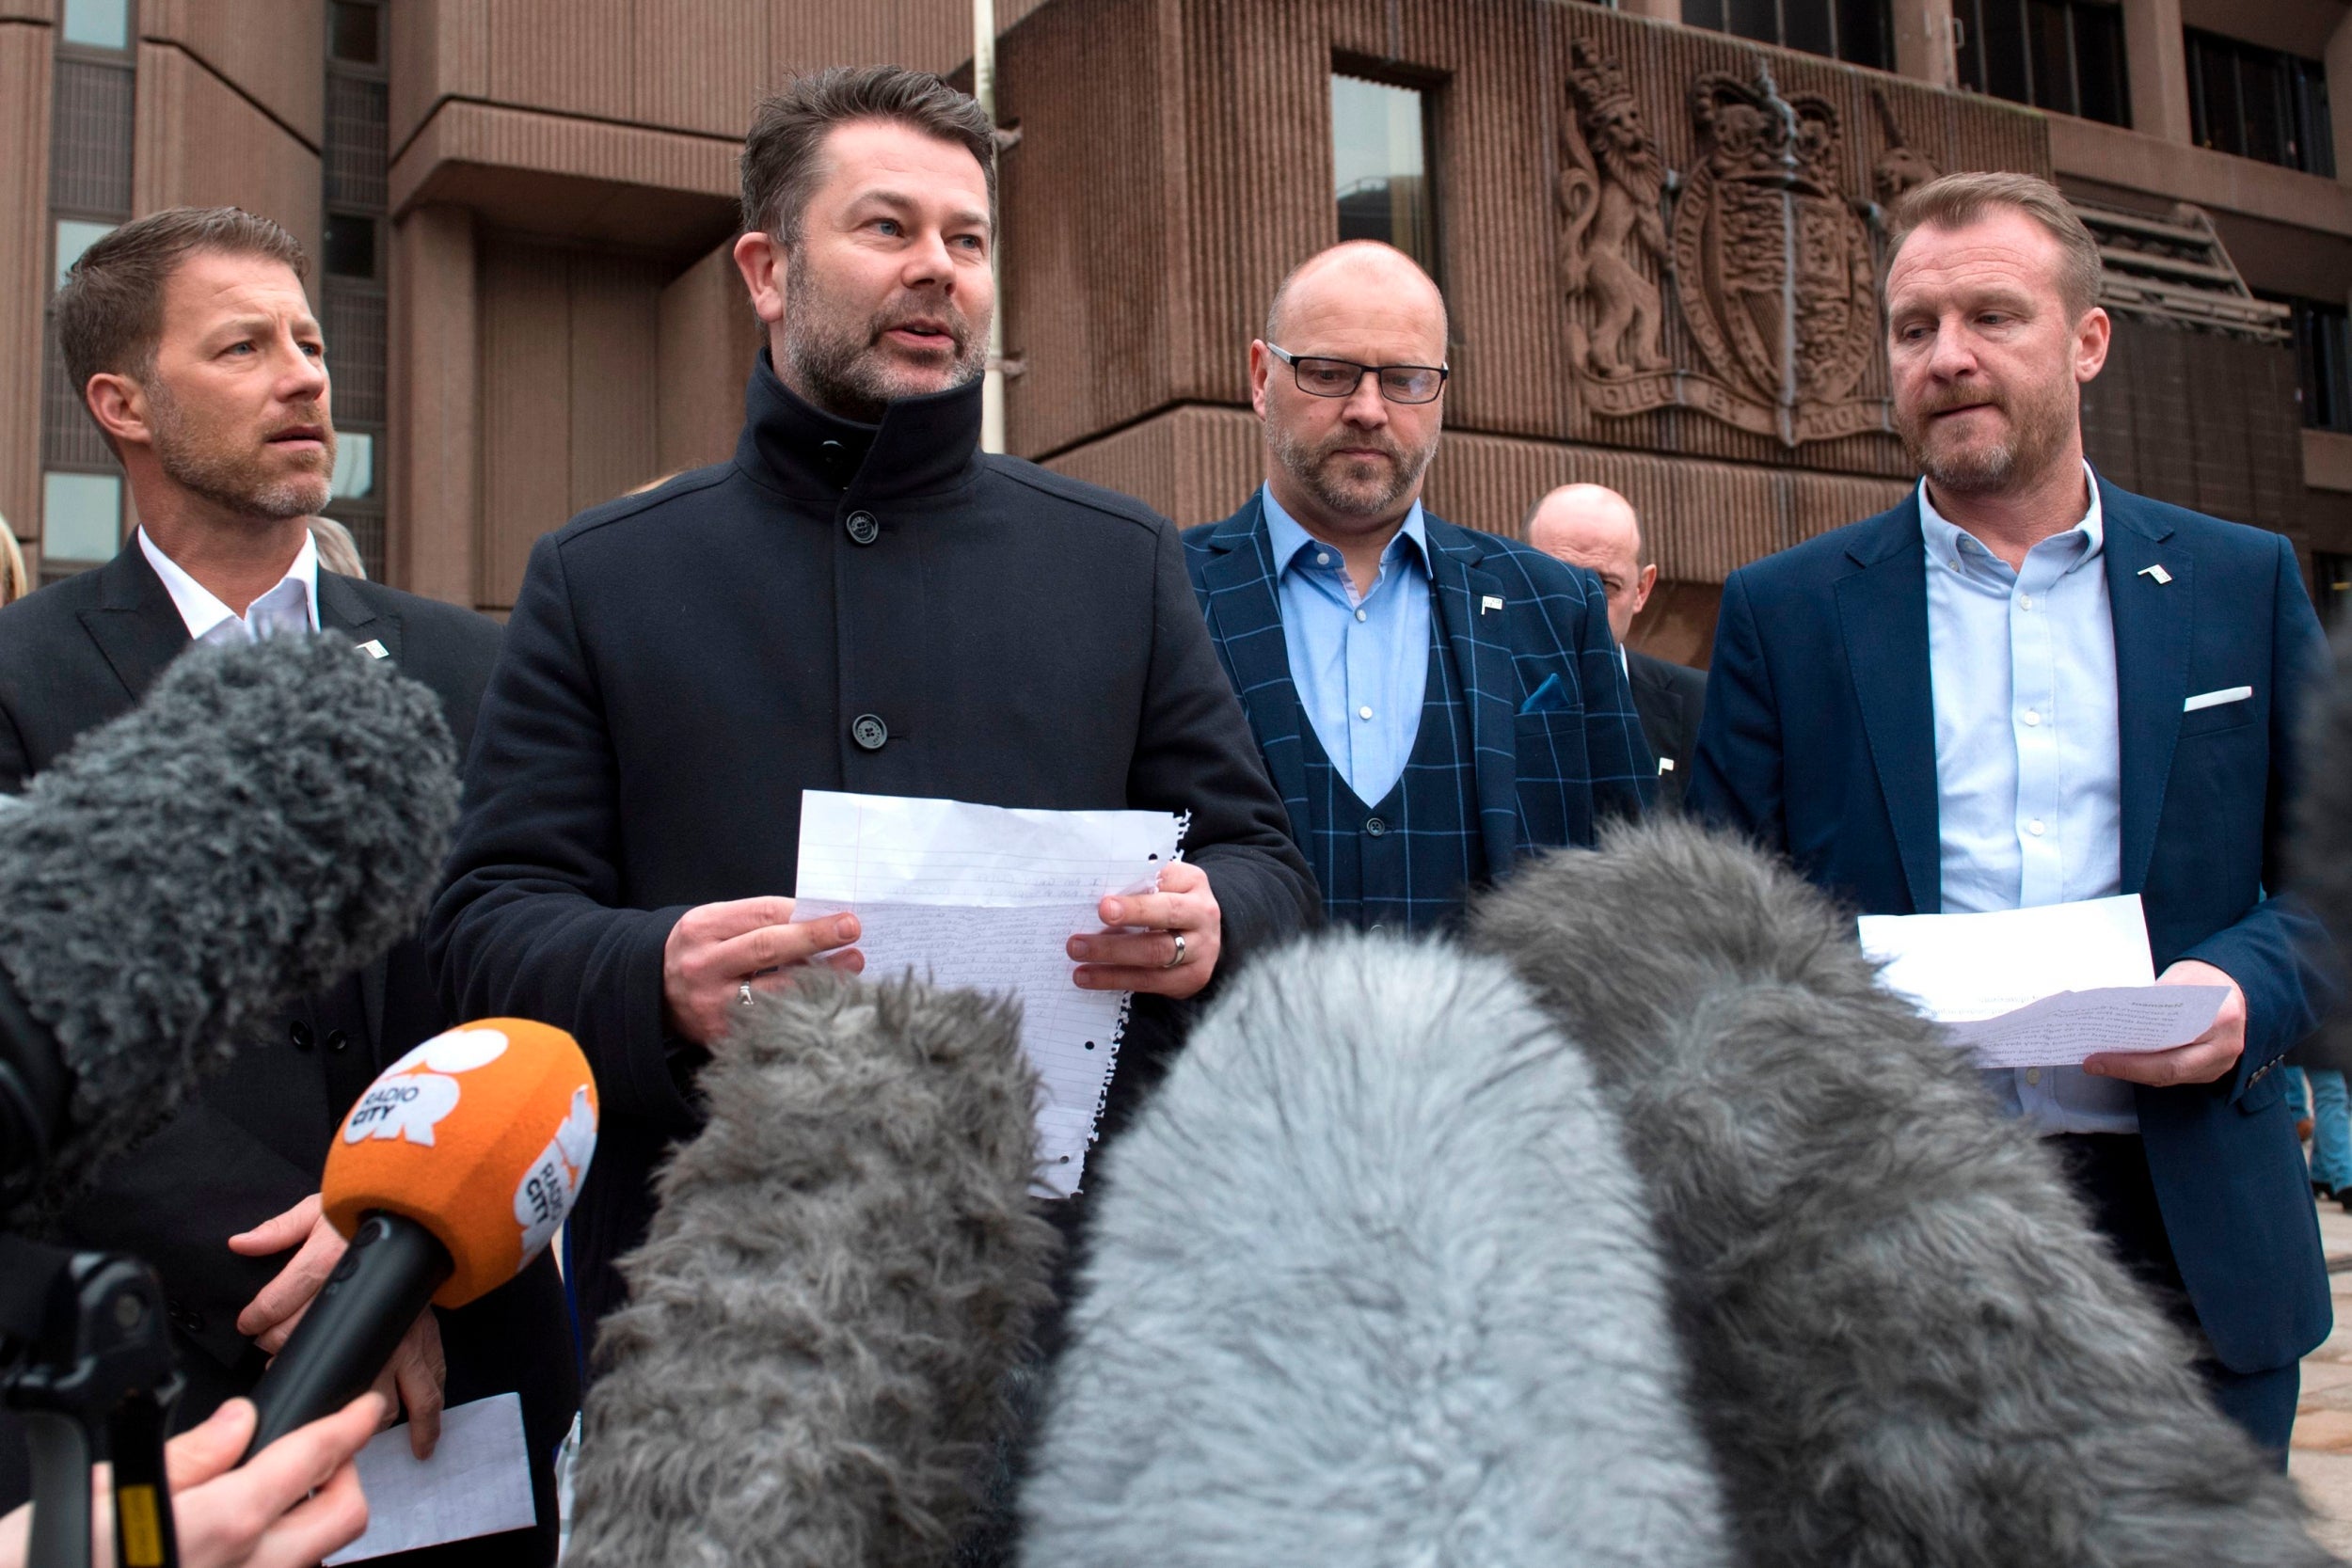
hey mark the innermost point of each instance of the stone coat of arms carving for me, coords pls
(1770, 265)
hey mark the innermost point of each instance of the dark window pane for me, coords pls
(1806, 22)
(2005, 49)
(2047, 55)
(1380, 167)
(1862, 30)
(1753, 18)
(2216, 75)
(350, 245)
(90, 142)
(356, 32)
(2101, 82)
(2262, 84)
(1968, 13)
(2314, 130)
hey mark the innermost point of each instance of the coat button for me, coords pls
(869, 732)
(1376, 826)
(186, 1319)
(301, 1036)
(338, 1041)
(863, 528)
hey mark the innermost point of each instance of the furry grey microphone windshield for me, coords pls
(1909, 1346)
(843, 1271)
(1370, 1282)
(271, 817)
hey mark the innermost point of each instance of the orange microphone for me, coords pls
(455, 1167)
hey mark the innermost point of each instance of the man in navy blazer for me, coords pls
(1431, 702)
(2024, 686)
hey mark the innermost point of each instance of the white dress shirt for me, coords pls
(2028, 771)
(291, 605)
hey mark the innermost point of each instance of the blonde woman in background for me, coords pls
(15, 582)
(337, 551)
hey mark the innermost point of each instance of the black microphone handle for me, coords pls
(384, 1278)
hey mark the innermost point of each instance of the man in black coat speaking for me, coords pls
(860, 601)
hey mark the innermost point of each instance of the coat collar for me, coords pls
(137, 627)
(1882, 615)
(924, 445)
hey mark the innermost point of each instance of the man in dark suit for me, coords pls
(1432, 702)
(190, 334)
(2024, 686)
(861, 601)
(1593, 527)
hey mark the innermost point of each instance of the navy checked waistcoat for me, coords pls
(1408, 863)
(1512, 620)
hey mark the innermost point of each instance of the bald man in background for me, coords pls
(1433, 702)
(1593, 527)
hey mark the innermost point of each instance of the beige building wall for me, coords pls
(26, 51)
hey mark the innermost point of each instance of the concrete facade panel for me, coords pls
(709, 339)
(28, 10)
(614, 380)
(198, 144)
(25, 52)
(272, 55)
(436, 375)
(572, 56)
(702, 65)
(440, 49)
(2085, 150)
(526, 406)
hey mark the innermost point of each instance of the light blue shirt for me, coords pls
(2028, 786)
(1361, 662)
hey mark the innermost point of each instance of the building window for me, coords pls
(2260, 103)
(1857, 31)
(1380, 163)
(97, 23)
(80, 518)
(2323, 361)
(2334, 573)
(354, 240)
(2065, 55)
(75, 236)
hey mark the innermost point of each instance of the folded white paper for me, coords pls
(986, 897)
(477, 1483)
(2043, 987)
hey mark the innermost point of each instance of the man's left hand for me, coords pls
(1138, 960)
(411, 1381)
(2210, 1056)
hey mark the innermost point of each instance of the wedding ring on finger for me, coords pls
(743, 994)
(1179, 958)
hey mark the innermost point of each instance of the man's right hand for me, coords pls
(714, 948)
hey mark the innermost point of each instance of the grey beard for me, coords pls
(839, 370)
(230, 483)
(1301, 462)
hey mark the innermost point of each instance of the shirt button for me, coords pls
(863, 528)
(2032, 718)
(1323, 558)
(1360, 615)
(869, 732)
(1374, 826)
(1363, 713)
(2035, 828)
(2025, 601)
(2033, 1075)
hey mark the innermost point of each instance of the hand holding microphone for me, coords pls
(456, 1166)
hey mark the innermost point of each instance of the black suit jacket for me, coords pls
(254, 1141)
(1669, 698)
(680, 665)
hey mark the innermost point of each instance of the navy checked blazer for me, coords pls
(1513, 616)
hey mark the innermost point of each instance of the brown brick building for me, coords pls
(1657, 228)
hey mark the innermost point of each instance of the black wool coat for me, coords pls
(680, 665)
(254, 1141)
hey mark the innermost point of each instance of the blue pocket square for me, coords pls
(1551, 697)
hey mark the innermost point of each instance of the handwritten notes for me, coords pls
(2043, 987)
(986, 897)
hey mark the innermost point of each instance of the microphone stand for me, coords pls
(94, 1375)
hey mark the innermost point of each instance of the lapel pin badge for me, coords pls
(1487, 602)
(2156, 571)
(374, 649)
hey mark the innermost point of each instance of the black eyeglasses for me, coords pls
(1338, 378)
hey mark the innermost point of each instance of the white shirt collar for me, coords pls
(292, 605)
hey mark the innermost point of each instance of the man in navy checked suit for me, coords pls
(1431, 702)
